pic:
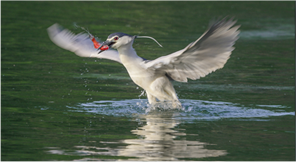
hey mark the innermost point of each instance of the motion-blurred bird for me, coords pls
(201, 57)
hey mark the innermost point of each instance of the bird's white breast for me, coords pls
(133, 64)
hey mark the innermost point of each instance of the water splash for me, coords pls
(191, 110)
(143, 93)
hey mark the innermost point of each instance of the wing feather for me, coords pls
(201, 57)
(80, 44)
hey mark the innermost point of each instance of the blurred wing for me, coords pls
(80, 44)
(207, 54)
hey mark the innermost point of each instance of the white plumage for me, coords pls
(201, 57)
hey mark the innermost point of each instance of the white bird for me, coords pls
(201, 57)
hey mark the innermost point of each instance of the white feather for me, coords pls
(207, 54)
(80, 44)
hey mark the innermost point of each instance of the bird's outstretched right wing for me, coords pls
(207, 54)
(80, 44)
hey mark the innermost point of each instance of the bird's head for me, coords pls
(117, 40)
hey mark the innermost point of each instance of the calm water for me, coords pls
(58, 106)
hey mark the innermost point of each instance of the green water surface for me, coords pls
(58, 106)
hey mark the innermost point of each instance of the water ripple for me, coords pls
(192, 109)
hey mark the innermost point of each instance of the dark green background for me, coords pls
(40, 81)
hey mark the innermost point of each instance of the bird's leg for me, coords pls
(163, 90)
(176, 104)
(158, 88)
(170, 90)
(151, 99)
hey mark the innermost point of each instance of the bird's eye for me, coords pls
(116, 38)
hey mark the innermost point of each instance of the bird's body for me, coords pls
(156, 85)
(207, 54)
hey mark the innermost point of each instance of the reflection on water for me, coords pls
(159, 139)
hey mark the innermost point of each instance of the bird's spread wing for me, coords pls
(80, 44)
(207, 54)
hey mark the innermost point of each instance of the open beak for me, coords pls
(104, 46)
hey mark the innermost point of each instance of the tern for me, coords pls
(201, 57)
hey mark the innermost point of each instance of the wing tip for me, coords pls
(218, 22)
(54, 29)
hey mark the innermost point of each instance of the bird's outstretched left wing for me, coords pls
(207, 54)
(80, 44)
